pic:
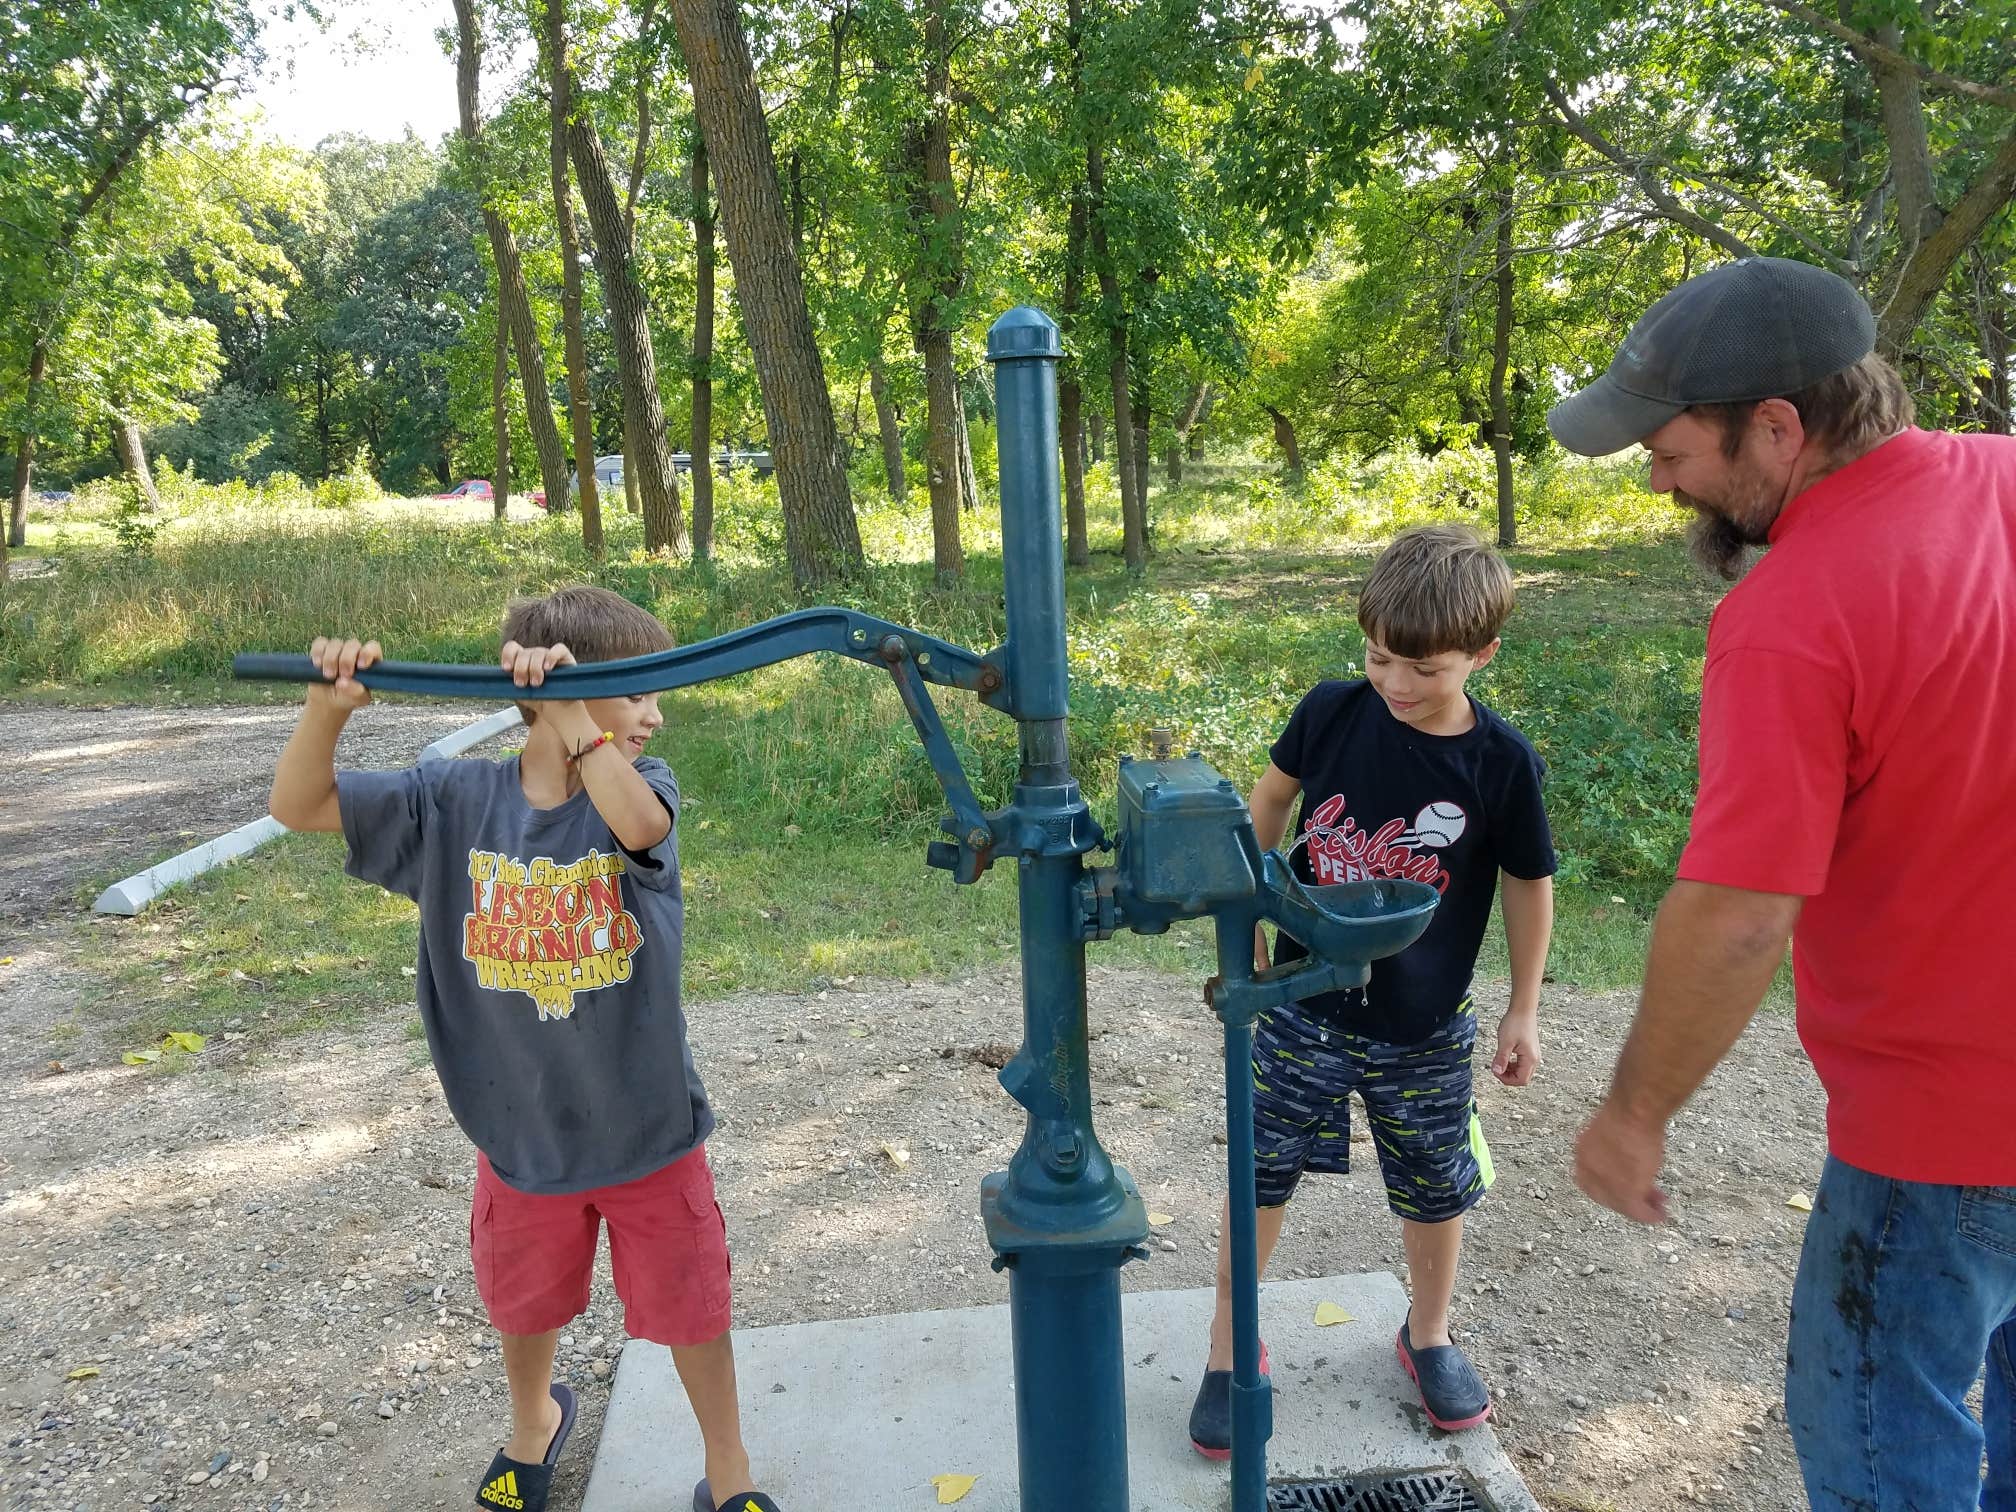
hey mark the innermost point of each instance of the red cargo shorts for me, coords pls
(668, 1248)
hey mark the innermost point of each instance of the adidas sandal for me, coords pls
(512, 1485)
(749, 1501)
(1211, 1416)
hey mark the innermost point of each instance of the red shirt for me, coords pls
(1858, 747)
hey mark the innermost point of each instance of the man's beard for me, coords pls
(1719, 544)
(1724, 534)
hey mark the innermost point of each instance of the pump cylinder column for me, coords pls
(1062, 1219)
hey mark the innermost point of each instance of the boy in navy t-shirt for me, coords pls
(1402, 774)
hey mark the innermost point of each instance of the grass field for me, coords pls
(813, 803)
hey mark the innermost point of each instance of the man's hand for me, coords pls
(340, 660)
(1617, 1160)
(1518, 1054)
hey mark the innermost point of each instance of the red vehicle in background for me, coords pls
(479, 488)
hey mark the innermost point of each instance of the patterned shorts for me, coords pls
(1417, 1100)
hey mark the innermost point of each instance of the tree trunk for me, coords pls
(1097, 426)
(1284, 437)
(936, 216)
(1190, 429)
(798, 203)
(1911, 173)
(1071, 428)
(1501, 362)
(126, 440)
(969, 480)
(1920, 278)
(1172, 459)
(24, 448)
(1070, 398)
(701, 444)
(511, 277)
(891, 429)
(636, 362)
(1994, 327)
(561, 98)
(1143, 458)
(323, 383)
(941, 453)
(500, 418)
(640, 155)
(1133, 517)
(821, 536)
(42, 321)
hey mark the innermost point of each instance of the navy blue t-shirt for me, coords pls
(1381, 799)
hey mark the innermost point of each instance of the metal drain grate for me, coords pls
(1424, 1491)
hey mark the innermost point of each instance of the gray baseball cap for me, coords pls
(1757, 328)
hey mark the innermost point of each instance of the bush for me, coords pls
(354, 485)
(283, 490)
(133, 529)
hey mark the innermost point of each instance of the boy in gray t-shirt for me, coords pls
(551, 920)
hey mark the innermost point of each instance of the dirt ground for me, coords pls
(245, 1284)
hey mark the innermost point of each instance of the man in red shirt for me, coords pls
(1858, 793)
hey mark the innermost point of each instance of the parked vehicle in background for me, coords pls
(727, 461)
(474, 488)
(608, 477)
(609, 470)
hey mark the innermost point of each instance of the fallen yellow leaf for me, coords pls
(182, 1039)
(952, 1487)
(898, 1156)
(1799, 1202)
(1328, 1313)
(6, 960)
(1160, 1220)
(82, 1373)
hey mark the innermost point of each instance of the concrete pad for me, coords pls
(862, 1412)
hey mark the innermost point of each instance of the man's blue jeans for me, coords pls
(1905, 1291)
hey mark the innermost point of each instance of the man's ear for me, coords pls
(1778, 425)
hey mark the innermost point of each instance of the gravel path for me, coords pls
(99, 793)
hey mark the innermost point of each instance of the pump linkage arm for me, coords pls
(911, 658)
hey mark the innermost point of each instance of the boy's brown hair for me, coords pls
(593, 623)
(1437, 588)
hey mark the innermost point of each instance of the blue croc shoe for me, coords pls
(1211, 1417)
(1451, 1390)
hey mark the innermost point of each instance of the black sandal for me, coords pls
(512, 1485)
(753, 1501)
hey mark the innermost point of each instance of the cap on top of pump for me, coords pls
(1024, 331)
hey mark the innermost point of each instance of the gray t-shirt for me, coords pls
(549, 968)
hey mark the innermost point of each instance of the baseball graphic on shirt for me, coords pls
(1439, 824)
